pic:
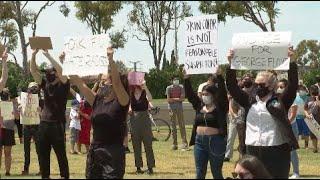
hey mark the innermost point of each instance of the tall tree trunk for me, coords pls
(22, 39)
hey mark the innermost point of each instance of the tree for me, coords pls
(308, 51)
(164, 61)
(261, 13)
(18, 17)
(9, 37)
(98, 15)
(152, 21)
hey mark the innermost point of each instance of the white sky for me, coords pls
(302, 18)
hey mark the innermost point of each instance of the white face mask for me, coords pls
(176, 82)
(302, 93)
(207, 100)
(280, 91)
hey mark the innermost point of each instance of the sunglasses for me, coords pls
(239, 175)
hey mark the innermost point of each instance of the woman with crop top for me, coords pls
(210, 126)
(106, 157)
(141, 131)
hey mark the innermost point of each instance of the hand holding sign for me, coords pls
(5, 55)
(35, 52)
(110, 52)
(230, 55)
(62, 57)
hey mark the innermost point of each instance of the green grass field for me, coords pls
(169, 164)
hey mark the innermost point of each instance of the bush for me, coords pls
(309, 78)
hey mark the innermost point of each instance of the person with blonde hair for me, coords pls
(268, 135)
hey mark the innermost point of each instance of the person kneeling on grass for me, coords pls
(75, 125)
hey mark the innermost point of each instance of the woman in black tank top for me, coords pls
(106, 157)
(141, 127)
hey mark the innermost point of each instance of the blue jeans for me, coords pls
(294, 154)
(209, 148)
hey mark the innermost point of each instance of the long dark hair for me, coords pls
(255, 167)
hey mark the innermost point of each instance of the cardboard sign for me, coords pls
(261, 51)
(6, 108)
(136, 78)
(40, 42)
(201, 44)
(313, 126)
(29, 109)
(2, 49)
(86, 56)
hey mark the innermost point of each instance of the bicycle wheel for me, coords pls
(162, 130)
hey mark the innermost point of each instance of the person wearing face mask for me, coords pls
(312, 109)
(293, 111)
(300, 100)
(110, 105)
(141, 127)
(175, 96)
(268, 134)
(31, 132)
(210, 126)
(53, 120)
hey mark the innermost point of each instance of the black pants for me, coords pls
(276, 159)
(29, 132)
(106, 161)
(19, 127)
(52, 134)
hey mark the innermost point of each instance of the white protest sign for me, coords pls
(261, 51)
(313, 126)
(201, 44)
(6, 110)
(86, 56)
(29, 109)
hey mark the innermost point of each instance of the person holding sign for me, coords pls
(52, 126)
(141, 126)
(31, 131)
(312, 110)
(7, 131)
(211, 126)
(106, 157)
(268, 134)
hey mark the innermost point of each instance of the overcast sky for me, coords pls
(301, 18)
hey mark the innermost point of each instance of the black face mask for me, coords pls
(247, 84)
(50, 77)
(105, 90)
(262, 91)
(4, 96)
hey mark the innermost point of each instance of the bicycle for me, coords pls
(161, 129)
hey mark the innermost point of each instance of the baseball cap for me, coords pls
(32, 84)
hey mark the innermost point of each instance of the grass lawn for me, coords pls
(170, 164)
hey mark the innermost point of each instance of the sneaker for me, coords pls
(294, 176)
(150, 171)
(139, 171)
(185, 149)
(315, 151)
(25, 173)
(226, 160)
(174, 148)
(8, 174)
(154, 139)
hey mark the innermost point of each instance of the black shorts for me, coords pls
(7, 137)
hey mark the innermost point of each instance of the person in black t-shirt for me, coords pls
(106, 157)
(52, 126)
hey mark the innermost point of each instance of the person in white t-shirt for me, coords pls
(75, 125)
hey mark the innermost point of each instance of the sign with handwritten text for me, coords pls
(7, 110)
(136, 78)
(261, 51)
(313, 126)
(86, 56)
(29, 109)
(200, 44)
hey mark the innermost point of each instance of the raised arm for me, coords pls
(83, 88)
(57, 65)
(235, 91)
(290, 92)
(34, 69)
(121, 93)
(4, 75)
(190, 94)
(223, 94)
(96, 85)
